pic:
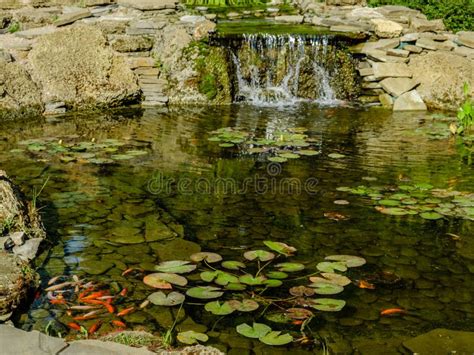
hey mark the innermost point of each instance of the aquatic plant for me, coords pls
(466, 112)
(225, 3)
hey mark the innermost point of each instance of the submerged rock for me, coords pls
(442, 341)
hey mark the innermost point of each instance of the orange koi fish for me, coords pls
(94, 295)
(57, 301)
(123, 292)
(74, 326)
(109, 307)
(365, 284)
(94, 327)
(119, 323)
(392, 311)
(125, 311)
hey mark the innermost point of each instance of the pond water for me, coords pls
(108, 206)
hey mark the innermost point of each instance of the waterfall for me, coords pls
(273, 70)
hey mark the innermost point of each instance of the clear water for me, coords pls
(84, 204)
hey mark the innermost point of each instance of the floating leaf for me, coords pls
(157, 279)
(175, 267)
(233, 265)
(394, 211)
(252, 281)
(235, 287)
(256, 331)
(389, 202)
(276, 338)
(277, 275)
(205, 292)
(331, 267)
(290, 267)
(273, 283)
(300, 291)
(191, 337)
(161, 299)
(289, 155)
(307, 152)
(226, 145)
(244, 306)
(327, 304)
(299, 313)
(349, 260)
(277, 159)
(336, 156)
(326, 288)
(333, 278)
(280, 248)
(261, 255)
(208, 257)
(219, 309)
(431, 215)
(219, 277)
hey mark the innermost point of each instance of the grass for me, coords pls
(14, 27)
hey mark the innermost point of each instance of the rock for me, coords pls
(427, 43)
(445, 46)
(466, 38)
(126, 43)
(140, 62)
(394, 70)
(28, 250)
(410, 37)
(203, 29)
(386, 29)
(36, 32)
(95, 267)
(192, 19)
(398, 53)
(364, 13)
(346, 28)
(386, 100)
(5, 56)
(422, 25)
(74, 66)
(346, 2)
(413, 49)
(398, 86)
(409, 101)
(178, 249)
(18, 237)
(90, 347)
(146, 5)
(441, 341)
(464, 51)
(156, 230)
(17, 341)
(196, 349)
(295, 19)
(382, 44)
(366, 71)
(442, 76)
(71, 17)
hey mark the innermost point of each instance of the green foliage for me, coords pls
(466, 112)
(208, 86)
(225, 3)
(14, 27)
(457, 15)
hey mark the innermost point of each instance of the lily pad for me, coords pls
(331, 267)
(394, 211)
(226, 145)
(299, 313)
(307, 152)
(261, 255)
(389, 203)
(336, 156)
(235, 287)
(233, 265)
(273, 283)
(205, 292)
(348, 260)
(252, 281)
(290, 267)
(327, 304)
(431, 215)
(277, 159)
(175, 267)
(301, 291)
(244, 306)
(279, 275)
(163, 280)
(208, 257)
(280, 248)
(289, 155)
(326, 288)
(219, 277)
(276, 338)
(218, 308)
(256, 331)
(161, 299)
(191, 337)
(333, 278)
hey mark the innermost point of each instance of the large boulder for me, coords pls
(76, 67)
(17, 90)
(442, 76)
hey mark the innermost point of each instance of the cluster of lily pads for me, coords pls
(232, 286)
(290, 144)
(107, 151)
(417, 199)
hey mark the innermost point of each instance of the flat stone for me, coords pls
(68, 18)
(16, 341)
(28, 250)
(466, 38)
(10, 41)
(371, 85)
(382, 44)
(398, 53)
(422, 25)
(366, 72)
(386, 100)
(178, 249)
(464, 51)
(427, 43)
(410, 37)
(442, 341)
(295, 19)
(95, 267)
(332, 21)
(36, 32)
(147, 71)
(381, 56)
(409, 101)
(5, 56)
(151, 24)
(193, 19)
(391, 70)
(445, 46)
(18, 237)
(346, 28)
(127, 43)
(140, 62)
(385, 28)
(413, 49)
(97, 347)
(398, 86)
(147, 5)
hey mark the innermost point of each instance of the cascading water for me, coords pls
(284, 69)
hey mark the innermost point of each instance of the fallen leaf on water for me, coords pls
(366, 284)
(335, 216)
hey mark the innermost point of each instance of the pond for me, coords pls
(133, 188)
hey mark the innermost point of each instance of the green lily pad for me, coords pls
(244, 306)
(289, 155)
(276, 338)
(299, 313)
(219, 277)
(235, 287)
(252, 281)
(67, 159)
(218, 308)
(327, 304)
(307, 152)
(121, 157)
(233, 265)
(277, 159)
(208, 257)
(331, 267)
(256, 150)
(136, 152)
(394, 211)
(279, 275)
(348, 260)
(256, 331)
(161, 299)
(326, 288)
(431, 215)
(175, 267)
(156, 280)
(336, 156)
(191, 337)
(301, 291)
(226, 145)
(273, 283)
(290, 267)
(205, 292)
(389, 202)
(261, 255)
(333, 278)
(280, 248)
